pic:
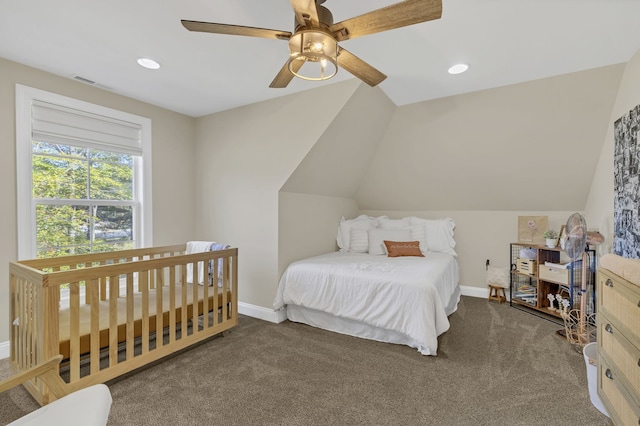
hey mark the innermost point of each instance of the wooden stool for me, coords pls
(496, 292)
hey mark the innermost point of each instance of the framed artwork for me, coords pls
(531, 228)
(626, 185)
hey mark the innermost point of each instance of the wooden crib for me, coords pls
(110, 313)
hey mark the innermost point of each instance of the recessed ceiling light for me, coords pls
(458, 68)
(148, 63)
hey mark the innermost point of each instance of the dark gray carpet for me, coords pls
(496, 366)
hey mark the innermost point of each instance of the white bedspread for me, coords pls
(409, 295)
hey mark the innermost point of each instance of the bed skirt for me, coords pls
(350, 327)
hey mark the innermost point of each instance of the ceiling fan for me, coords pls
(314, 53)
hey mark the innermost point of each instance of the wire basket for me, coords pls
(580, 330)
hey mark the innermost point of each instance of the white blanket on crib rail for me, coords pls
(197, 247)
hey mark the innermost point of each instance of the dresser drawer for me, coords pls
(619, 301)
(621, 409)
(624, 356)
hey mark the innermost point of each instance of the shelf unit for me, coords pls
(529, 289)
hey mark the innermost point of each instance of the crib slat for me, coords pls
(13, 303)
(114, 289)
(74, 331)
(86, 295)
(158, 308)
(194, 297)
(172, 304)
(130, 326)
(92, 291)
(225, 287)
(48, 319)
(205, 298)
(233, 286)
(144, 286)
(216, 280)
(103, 285)
(183, 312)
(152, 279)
(23, 301)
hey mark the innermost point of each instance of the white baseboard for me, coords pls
(4, 349)
(481, 292)
(262, 313)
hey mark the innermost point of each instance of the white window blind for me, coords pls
(52, 118)
(61, 124)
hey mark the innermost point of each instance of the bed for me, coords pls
(402, 299)
(110, 313)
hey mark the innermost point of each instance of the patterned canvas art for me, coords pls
(626, 226)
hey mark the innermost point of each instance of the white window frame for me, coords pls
(26, 210)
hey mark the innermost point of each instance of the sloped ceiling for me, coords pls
(529, 146)
(342, 155)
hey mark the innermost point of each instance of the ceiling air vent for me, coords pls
(84, 80)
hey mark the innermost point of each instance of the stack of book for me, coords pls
(526, 293)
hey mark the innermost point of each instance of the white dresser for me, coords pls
(618, 311)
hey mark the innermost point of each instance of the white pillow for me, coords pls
(378, 235)
(417, 231)
(385, 222)
(359, 240)
(438, 233)
(418, 234)
(344, 229)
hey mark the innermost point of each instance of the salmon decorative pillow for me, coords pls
(403, 248)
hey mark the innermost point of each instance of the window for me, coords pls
(83, 176)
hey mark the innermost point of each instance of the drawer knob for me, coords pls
(609, 374)
(608, 328)
(609, 283)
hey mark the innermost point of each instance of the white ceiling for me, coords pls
(503, 41)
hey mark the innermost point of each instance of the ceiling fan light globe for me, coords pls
(319, 53)
(313, 68)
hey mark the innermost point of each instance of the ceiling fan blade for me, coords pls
(284, 76)
(360, 68)
(397, 15)
(306, 11)
(210, 27)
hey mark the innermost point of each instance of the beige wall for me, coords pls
(528, 146)
(599, 206)
(308, 224)
(173, 158)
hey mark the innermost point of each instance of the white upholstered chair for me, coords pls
(88, 406)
